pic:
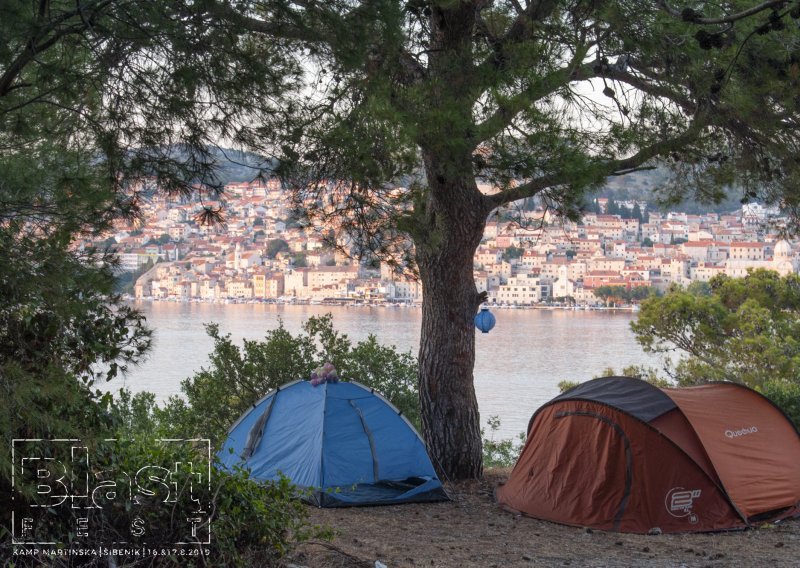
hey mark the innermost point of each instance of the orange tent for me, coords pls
(620, 454)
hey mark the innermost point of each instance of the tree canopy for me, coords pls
(275, 246)
(404, 124)
(623, 293)
(111, 94)
(535, 98)
(101, 102)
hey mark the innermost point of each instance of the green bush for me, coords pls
(238, 521)
(247, 519)
(500, 453)
(258, 521)
(786, 395)
(565, 385)
(742, 330)
(252, 521)
(238, 376)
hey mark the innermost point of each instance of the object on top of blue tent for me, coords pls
(342, 441)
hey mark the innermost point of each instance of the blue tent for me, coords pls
(342, 441)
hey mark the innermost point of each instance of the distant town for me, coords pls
(259, 255)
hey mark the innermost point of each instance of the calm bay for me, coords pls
(518, 364)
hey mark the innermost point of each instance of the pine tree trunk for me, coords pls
(450, 418)
(450, 228)
(449, 408)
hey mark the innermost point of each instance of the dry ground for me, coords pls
(472, 531)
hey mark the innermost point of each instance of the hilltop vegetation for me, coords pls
(657, 189)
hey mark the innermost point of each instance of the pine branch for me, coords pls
(694, 17)
(287, 28)
(508, 109)
(49, 35)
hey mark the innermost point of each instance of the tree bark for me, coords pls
(445, 253)
(449, 230)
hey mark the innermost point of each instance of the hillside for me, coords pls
(650, 186)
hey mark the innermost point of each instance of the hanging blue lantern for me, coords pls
(485, 320)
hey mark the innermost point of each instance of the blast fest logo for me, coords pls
(679, 503)
(57, 484)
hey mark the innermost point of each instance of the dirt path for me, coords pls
(471, 531)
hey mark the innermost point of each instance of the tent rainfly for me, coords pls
(342, 442)
(620, 454)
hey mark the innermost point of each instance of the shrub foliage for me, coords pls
(236, 377)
